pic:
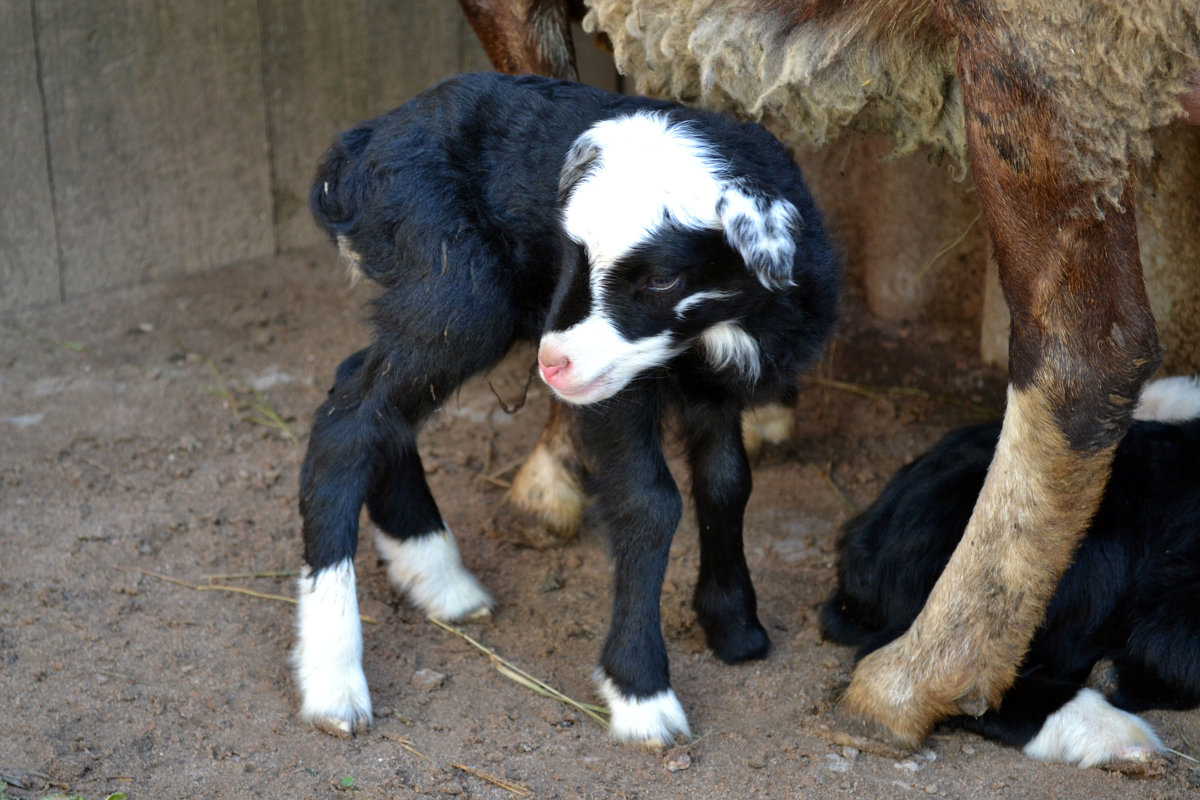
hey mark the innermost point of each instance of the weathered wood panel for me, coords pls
(28, 258)
(1169, 234)
(910, 233)
(157, 137)
(329, 64)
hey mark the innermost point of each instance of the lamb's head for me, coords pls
(664, 250)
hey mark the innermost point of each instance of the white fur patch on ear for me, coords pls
(580, 160)
(762, 228)
(727, 345)
(650, 721)
(1088, 731)
(1169, 400)
(328, 655)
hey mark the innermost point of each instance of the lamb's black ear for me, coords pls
(580, 160)
(762, 227)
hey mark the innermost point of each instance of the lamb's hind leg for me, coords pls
(422, 558)
(1083, 340)
(327, 657)
(363, 450)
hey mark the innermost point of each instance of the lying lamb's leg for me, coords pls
(642, 506)
(724, 599)
(548, 483)
(1083, 340)
(522, 36)
(1089, 731)
(1058, 720)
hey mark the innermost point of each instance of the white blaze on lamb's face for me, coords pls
(630, 186)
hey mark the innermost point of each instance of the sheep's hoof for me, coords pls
(849, 729)
(550, 491)
(1147, 764)
(768, 424)
(887, 704)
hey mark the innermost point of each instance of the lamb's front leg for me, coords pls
(641, 506)
(724, 600)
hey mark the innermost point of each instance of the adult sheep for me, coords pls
(1049, 103)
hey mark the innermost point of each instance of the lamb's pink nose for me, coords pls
(552, 362)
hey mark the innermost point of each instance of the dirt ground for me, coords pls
(141, 455)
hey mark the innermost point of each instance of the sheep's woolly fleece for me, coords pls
(882, 65)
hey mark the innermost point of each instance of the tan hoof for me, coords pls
(767, 424)
(551, 492)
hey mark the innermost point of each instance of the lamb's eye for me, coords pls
(661, 283)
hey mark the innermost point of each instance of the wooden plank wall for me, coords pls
(144, 139)
(155, 123)
(28, 245)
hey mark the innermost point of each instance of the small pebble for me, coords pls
(836, 763)
(428, 679)
(677, 759)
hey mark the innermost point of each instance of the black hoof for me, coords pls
(737, 640)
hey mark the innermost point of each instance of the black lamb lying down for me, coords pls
(665, 258)
(1132, 594)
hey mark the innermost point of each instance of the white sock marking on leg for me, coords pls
(327, 658)
(429, 570)
(1174, 399)
(1088, 731)
(651, 721)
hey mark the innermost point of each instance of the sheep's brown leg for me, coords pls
(549, 483)
(1083, 340)
(534, 36)
(522, 36)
